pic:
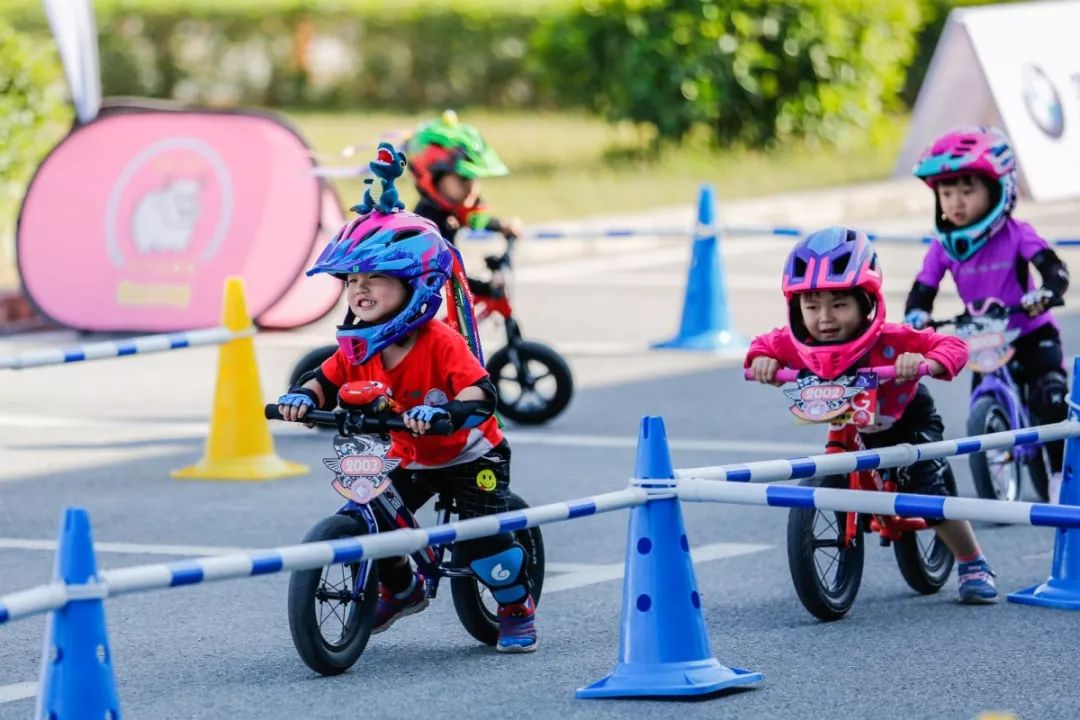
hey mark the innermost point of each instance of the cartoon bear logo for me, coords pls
(165, 218)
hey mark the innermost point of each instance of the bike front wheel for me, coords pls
(996, 473)
(825, 570)
(475, 607)
(924, 560)
(330, 616)
(534, 382)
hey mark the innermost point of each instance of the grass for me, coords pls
(566, 165)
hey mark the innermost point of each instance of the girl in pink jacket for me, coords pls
(836, 312)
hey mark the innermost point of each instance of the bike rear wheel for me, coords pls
(311, 361)
(825, 572)
(534, 382)
(329, 617)
(475, 606)
(924, 560)
(996, 472)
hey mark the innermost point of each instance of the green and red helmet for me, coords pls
(445, 145)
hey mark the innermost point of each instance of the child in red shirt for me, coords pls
(832, 283)
(395, 266)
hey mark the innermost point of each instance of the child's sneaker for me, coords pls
(517, 627)
(390, 607)
(977, 582)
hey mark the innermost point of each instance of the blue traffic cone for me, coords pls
(663, 646)
(76, 667)
(706, 320)
(1062, 589)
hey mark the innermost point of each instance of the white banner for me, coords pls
(72, 23)
(1017, 67)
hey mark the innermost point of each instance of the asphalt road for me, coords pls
(104, 436)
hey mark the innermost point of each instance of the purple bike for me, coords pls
(998, 402)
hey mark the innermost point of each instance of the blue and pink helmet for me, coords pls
(982, 151)
(834, 259)
(402, 245)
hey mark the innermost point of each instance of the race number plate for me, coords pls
(848, 399)
(361, 468)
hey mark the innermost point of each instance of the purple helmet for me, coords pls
(833, 259)
(401, 245)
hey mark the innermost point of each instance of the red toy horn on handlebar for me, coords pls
(370, 397)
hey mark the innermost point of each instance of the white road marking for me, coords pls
(17, 691)
(582, 575)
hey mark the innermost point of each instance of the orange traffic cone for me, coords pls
(239, 446)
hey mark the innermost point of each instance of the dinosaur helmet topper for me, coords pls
(388, 166)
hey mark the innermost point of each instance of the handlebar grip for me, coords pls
(270, 412)
(884, 372)
(782, 375)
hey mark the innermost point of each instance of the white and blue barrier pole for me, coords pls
(1062, 589)
(886, 457)
(935, 507)
(706, 318)
(771, 230)
(121, 348)
(305, 556)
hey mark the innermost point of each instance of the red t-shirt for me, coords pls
(433, 372)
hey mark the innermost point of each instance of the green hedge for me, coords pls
(750, 71)
(33, 114)
(406, 54)
(747, 71)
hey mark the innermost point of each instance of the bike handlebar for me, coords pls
(1007, 309)
(884, 372)
(353, 422)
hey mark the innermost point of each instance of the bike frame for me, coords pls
(1003, 388)
(389, 508)
(846, 438)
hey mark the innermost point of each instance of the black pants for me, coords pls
(1037, 367)
(920, 423)
(480, 487)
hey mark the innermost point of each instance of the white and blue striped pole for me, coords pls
(1062, 589)
(121, 348)
(306, 556)
(886, 457)
(773, 230)
(880, 503)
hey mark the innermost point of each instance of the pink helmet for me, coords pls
(981, 151)
(835, 259)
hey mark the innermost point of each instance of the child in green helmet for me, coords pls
(448, 158)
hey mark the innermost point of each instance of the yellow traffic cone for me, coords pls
(239, 446)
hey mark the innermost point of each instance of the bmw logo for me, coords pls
(1042, 101)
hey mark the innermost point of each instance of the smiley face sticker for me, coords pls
(485, 480)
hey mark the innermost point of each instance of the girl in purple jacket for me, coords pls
(989, 254)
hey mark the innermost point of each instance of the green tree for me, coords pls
(33, 113)
(751, 71)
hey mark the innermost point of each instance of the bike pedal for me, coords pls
(885, 542)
